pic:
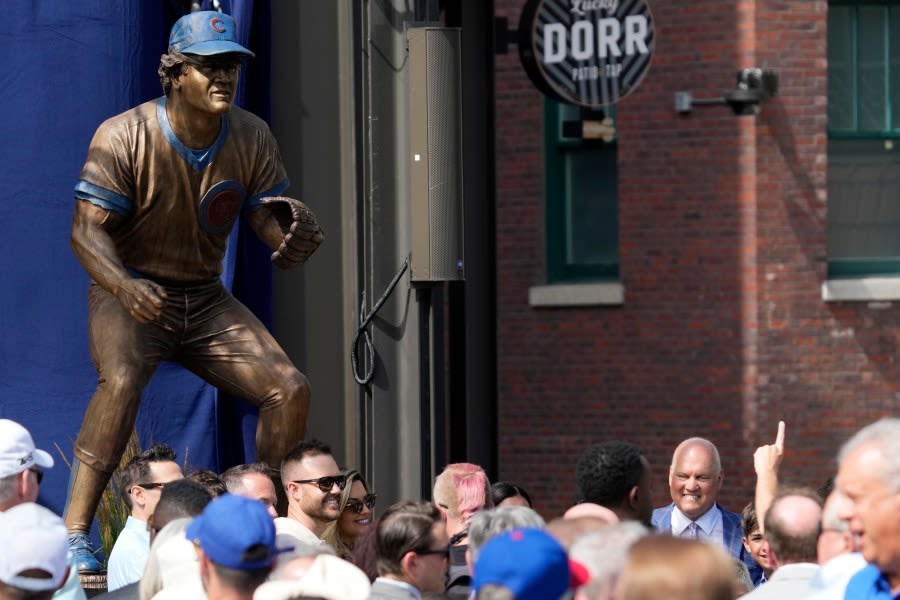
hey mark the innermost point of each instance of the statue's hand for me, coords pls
(142, 298)
(299, 228)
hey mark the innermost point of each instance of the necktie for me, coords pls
(692, 531)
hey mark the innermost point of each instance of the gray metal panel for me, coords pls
(390, 417)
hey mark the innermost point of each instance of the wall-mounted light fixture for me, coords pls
(754, 86)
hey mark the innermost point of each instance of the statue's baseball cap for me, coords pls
(17, 451)
(206, 33)
(33, 539)
(235, 532)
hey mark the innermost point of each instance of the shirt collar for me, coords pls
(401, 584)
(707, 521)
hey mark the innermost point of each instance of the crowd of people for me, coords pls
(223, 536)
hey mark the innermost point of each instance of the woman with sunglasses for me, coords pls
(356, 507)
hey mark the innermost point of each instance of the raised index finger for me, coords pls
(779, 437)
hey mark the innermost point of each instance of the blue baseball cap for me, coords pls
(232, 526)
(529, 562)
(205, 33)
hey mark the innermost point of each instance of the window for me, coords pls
(581, 196)
(863, 138)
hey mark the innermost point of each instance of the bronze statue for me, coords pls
(156, 199)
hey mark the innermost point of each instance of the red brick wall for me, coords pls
(722, 245)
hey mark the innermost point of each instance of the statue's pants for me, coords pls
(206, 330)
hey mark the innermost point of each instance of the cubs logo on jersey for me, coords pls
(220, 205)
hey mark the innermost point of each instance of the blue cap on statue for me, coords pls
(205, 33)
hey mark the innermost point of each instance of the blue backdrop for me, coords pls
(69, 66)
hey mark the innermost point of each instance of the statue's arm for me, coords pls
(96, 251)
(264, 223)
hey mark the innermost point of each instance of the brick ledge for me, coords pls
(578, 294)
(861, 290)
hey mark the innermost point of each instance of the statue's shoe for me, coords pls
(84, 556)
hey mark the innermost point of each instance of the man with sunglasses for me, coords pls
(412, 551)
(156, 201)
(313, 483)
(141, 482)
(21, 472)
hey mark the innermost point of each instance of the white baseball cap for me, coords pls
(17, 451)
(33, 537)
(328, 577)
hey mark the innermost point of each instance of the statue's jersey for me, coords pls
(179, 204)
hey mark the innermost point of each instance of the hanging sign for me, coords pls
(590, 53)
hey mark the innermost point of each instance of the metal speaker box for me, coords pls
(435, 142)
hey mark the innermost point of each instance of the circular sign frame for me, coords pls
(589, 53)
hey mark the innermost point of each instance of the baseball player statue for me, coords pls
(156, 199)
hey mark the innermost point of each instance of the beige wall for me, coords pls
(312, 94)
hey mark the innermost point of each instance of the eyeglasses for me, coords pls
(445, 551)
(38, 474)
(326, 483)
(458, 537)
(356, 505)
(150, 486)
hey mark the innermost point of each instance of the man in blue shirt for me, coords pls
(142, 482)
(869, 477)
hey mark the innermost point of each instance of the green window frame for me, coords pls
(863, 138)
(581, 199)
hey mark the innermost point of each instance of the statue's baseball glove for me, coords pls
(299, 228)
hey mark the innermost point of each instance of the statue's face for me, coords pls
(209, 84)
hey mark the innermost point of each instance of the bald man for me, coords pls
(695, 479)
(792, 529)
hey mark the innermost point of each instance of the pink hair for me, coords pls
(462, 487)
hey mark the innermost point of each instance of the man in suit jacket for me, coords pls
(411, 550)
(695, 478)
(792, 526)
